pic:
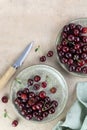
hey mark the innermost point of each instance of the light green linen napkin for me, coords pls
(76, 118)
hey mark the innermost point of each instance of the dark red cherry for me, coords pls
(35, 114)
(64, 42)
(65, 49)
(72, 26)
(26, 90)
(51, 110)
(84, 30)
(61, 53)
(64, 35)
(29, 117)
(71, 38)
(19, 93)
(81, 62)
(84, 69)
(44, 84)
(78, 26)
(77, 46)
(50, 53)
(71, 68)
(43, 58)
(78, 69)
(30, 82)
(39, 105)
(24, 96)
(14, 123)
(39, 117)
(31, 94)
(59, 47)
(85, 49)
(64, 60)
(70, 62)
(84, 56)
(47, 99)
(76, 32)
(45, 114)
(68, 55)
(31, 101)
(37, 78)
(66, 28)
(4, 99)
(42, 94)
(84, 39)
(54, 103)
(77, 39)
(36, 86)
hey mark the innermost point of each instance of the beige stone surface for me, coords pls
(22, 21)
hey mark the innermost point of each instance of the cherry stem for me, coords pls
(6, 114)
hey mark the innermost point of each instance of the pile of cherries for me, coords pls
(35, 105)
(72, 50)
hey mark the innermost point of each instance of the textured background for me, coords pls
(22, 21)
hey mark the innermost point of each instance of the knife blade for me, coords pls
(12, 69)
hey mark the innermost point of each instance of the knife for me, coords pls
(12, 69)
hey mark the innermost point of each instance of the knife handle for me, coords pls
(5, 78)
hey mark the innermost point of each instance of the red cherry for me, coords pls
(44, 84)
(42, 94)
(36, 86)
(77, 46)
(65, 49)
(81, 63)
(43, 58)
(37, 78)
(14, 123)
(30, 82)
(50, 53)
(4, 99)
(84, 30)
(34, 107)
(23, 96)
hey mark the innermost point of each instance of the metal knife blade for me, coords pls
(22, 57)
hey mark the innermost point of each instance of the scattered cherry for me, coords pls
(4, 99)
(43, 58)
(50, 53)
(14, 123)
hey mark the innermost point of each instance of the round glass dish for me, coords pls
(83, 22)
(54, 79)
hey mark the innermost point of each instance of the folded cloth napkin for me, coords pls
(76, 118)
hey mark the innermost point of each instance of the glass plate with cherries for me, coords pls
(71, 47)
(39, 93)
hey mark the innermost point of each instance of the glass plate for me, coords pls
(54, 79)
(83, 22)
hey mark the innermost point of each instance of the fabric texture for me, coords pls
(76, 118)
